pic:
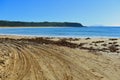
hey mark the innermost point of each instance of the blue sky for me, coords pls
(88, 12)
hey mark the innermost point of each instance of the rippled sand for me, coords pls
(28, 60)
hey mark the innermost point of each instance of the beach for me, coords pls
(53, 58)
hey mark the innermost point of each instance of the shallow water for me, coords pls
(64, 32)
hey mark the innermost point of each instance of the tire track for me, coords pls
(31, 61)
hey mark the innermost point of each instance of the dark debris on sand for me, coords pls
(113, 47)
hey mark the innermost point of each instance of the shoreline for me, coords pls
(94, 37)
(39, 27)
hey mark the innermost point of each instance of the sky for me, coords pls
(87, 12)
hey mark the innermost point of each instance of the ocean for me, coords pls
(75, 32)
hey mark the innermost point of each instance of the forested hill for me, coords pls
(38, 24)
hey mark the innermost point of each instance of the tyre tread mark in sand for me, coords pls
(45, 62)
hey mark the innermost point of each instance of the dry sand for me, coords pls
(34, 60)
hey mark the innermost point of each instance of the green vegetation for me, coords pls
(38, 24)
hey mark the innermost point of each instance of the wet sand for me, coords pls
(30, 58)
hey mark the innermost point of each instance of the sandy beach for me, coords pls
(43, 58)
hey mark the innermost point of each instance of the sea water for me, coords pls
(112, 32)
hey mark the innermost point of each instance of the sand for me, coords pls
(22, 59)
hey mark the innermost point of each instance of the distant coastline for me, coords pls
(4, 23)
